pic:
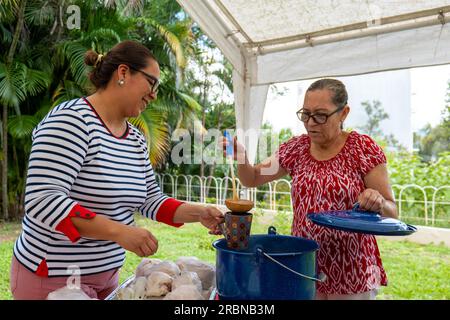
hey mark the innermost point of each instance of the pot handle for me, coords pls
(272, 230)
(356, 208)
(223, 229)
(321, 277)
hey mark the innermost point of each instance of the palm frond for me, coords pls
(66, 90)
(133, 7)
(39, 13)
(191, 103)
(34, 81)
(5, 35)
(38, 59)
(44, 108)
(189, 119)
(11, 85)
(8, 10)
(22, 126)
(171, 40)
(73, 52)
(110, 3)
(102, 39)
(153, 126)
(127, 7)
(225, 77)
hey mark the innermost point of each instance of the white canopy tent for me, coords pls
(270, 41)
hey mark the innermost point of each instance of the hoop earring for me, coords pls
(120, 82)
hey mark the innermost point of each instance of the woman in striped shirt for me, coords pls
(89, 172)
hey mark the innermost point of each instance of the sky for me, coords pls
(428, 90)
(423, 90)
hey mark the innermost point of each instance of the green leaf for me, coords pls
(22, 126)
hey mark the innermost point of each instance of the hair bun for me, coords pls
(91, 58)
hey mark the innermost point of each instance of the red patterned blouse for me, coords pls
(351, 261)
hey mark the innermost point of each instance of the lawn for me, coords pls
(414, 271)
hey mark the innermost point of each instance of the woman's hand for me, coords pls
(371, 200)
(211, 217)
(138, 240)
(238, 149)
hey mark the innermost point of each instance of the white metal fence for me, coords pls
(423, 205)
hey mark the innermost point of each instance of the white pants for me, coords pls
(369, 295)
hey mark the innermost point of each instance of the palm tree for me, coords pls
(17, 81)
(44, 66)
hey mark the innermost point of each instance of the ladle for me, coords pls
(235, 204)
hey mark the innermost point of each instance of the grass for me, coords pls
(414, 271)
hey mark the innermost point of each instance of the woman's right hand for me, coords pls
(138, 240)
(238, 149)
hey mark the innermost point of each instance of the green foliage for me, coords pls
(209, 78)
(153, 124)
(434, 140)
(428, 169)
(48, 68)
(17, 82)
(376, 114)
(270, 140)
(408, 169)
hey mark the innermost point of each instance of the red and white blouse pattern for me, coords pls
(351, 261)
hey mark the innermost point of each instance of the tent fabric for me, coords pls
(265, 20)
(271, 41)
(390, 51)
(249, 104)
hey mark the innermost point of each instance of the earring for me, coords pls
(120, 82)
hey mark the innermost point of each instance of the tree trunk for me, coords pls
(17, 32)
(15, 206)
(5, 163)
(21, 211)
(9, 61)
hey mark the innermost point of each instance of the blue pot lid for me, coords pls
(361, 221)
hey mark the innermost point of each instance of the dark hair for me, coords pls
(340, 96)
(128, 52)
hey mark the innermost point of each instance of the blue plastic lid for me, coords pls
(361, 221)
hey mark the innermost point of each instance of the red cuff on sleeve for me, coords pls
(42, 270)
(167, 211)
(66, 225)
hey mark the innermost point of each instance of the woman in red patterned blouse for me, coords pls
(331, 169)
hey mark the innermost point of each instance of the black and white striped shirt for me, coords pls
(77, 165)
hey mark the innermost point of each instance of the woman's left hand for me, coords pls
(211, 217)
(371, 200)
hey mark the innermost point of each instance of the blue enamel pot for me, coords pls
(273, 267)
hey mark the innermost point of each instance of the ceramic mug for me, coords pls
(238, 227)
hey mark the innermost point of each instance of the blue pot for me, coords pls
(274, 267)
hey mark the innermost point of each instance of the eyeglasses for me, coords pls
(319, 118)
(153, 81)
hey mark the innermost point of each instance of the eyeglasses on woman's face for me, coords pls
(318, 117)
(152, 81)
